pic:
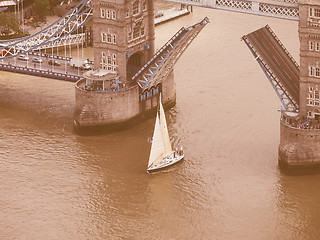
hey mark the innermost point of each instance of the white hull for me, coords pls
(166, 162)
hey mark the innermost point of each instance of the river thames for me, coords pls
(55, 184)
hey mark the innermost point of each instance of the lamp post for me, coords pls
(22, 16)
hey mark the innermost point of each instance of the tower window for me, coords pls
(313, 98)
(144, 6)
(136, 32)
(102, 13)
(310, 102)
(311, 71)
(127, 13)
(108, 15)
(109, 38)
(109, 62)
(135, 8)
(113, 14)
(103, 37)
(314, 12)
(311, 45)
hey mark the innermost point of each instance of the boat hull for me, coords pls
(166, 162)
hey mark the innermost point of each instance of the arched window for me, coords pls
(135, 8)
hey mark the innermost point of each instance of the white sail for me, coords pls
(158, 145)
(161, 145)
(165, 133)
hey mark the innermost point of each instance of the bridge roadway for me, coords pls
(277, 58)
(62, 72)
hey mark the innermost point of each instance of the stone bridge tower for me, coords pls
(299, 146)
(123, 35)
(309, 33)
(123, 42)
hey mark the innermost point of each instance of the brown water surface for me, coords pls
(55, 184)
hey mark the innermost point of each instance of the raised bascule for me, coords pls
(128, 75)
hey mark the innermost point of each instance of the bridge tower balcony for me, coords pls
(101, 81)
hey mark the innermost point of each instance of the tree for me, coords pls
(9, 22)
(42, 8)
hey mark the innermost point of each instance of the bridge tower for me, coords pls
(123, 35)
(128, 75)
(299, 143)
(309, 33)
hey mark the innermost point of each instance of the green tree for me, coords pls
(42, 8)
(9, 22)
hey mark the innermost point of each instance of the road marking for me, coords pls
(286, 73)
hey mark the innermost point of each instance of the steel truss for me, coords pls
(161, 64)
(284, 96)
(70, 39)
(57, 34)
(286, 9)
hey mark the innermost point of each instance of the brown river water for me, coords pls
(55, 184)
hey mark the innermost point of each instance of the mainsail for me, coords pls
(164, 130)
(161, 145)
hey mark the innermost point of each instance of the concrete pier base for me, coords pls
(101, 112)
(299, 150)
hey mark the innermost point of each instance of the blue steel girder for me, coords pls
(58, 32)
(284, 96)
(286, 9)
(161, 64)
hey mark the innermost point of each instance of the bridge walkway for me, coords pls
(285, 9)
(62, 72)
(279, 66)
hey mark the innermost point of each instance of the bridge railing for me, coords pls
(39, 72)
(288, 1)
(158, 53)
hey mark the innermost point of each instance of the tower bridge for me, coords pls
(129, 74)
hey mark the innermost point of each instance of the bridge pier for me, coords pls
(299, 151)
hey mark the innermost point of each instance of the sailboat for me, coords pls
(161, 154)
